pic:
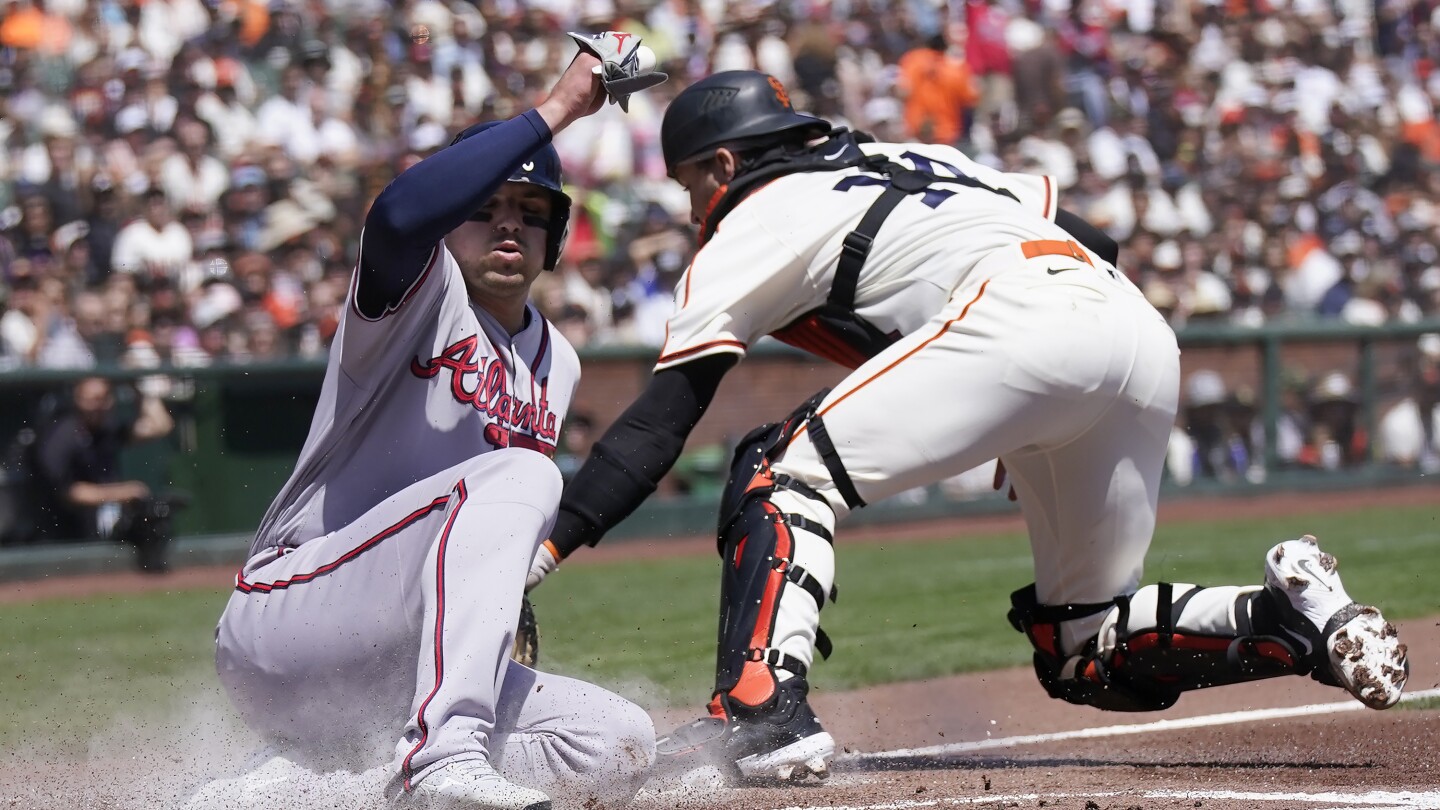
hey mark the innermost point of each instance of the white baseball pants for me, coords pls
(410, 612)
(1058, 368)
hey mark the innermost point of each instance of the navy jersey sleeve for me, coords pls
(430, 199)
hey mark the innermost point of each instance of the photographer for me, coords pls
(77, 473)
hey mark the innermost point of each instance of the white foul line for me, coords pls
(1372, 800)
(1203, 721)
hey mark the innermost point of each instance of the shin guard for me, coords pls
(1164, 640)
(779, 569)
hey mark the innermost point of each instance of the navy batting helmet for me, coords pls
(542, 169)
(736, 106)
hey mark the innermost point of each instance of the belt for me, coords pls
(1055, 247)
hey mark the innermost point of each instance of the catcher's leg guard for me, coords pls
(779, 569)
(1164, 640)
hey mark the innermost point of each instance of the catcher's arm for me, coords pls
(625, 466)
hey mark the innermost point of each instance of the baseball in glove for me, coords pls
(527, 636)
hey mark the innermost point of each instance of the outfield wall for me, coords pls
(239, 428)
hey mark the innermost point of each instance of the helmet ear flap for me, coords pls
(559, 231)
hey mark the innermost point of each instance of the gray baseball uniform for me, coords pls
(385, 579)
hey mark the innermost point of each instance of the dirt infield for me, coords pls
(994, 739)
(1320, 758)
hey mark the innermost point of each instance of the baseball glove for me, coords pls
(527, 636)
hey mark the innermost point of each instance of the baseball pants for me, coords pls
(1063, 372)
(401, 625)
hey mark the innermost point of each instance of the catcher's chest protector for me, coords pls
(775, 542)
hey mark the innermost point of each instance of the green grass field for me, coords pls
(906, 611)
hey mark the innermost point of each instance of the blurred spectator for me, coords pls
(1038, 70)
(155, 245)
(1220, 448)
(1336, 437)
(76, 461)
(989, 56)
(1409, 432)
(938, 91)
(193, 179)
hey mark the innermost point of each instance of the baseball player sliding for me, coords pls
(982, 321)
(382, 589)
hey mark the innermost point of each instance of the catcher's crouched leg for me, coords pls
(1164, 640)
(779, 569)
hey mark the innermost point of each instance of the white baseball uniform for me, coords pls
(385, 579)
(1014, 342)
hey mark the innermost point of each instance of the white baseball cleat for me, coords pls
(1362, 650)
(471, 784)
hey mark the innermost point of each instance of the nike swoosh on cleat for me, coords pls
(1305, 565)
(840, 152)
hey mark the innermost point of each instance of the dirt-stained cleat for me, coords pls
(1350, 645)
(782, 741)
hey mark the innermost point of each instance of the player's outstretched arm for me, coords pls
(627, 464)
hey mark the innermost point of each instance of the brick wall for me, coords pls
(767, 385)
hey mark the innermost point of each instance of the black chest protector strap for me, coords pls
(857, 244)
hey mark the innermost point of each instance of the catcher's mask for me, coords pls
(542, 169)
(737, 107)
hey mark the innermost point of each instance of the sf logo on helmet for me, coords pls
(780, 94)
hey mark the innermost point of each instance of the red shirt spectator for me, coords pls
(986, 50)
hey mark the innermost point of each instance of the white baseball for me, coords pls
(645, 58)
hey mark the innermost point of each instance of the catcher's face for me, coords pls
(501, 249)
(702, 179)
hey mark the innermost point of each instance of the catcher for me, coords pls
(981, 321)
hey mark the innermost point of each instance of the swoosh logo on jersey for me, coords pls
(1305, 565)
(1055, 270)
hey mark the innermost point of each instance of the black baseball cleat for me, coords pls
(781, 740)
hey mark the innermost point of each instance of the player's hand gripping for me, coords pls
(547, 559)
(610, 65)
(626, 67)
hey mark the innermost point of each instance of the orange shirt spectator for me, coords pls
(27, 27)
(937, 90)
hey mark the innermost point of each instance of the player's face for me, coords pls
(502, 248)
(701, 180)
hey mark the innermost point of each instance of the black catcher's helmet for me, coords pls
(542, 169)
(736, 105)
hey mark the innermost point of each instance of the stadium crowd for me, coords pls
(182, 181)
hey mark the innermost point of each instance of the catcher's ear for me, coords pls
(725, 164)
